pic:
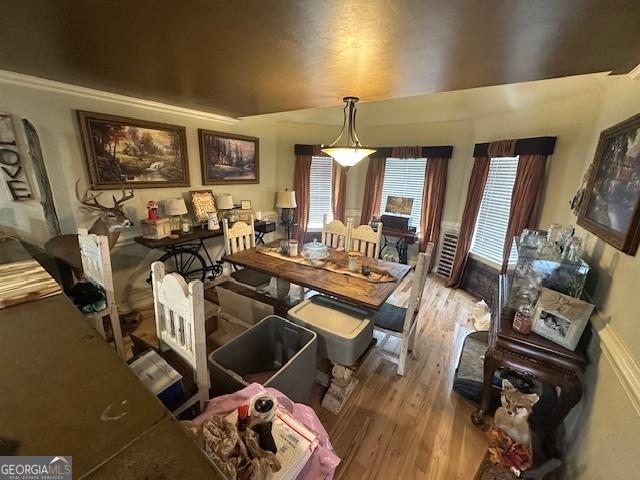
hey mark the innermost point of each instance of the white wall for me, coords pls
(52, 111)
(604, 431)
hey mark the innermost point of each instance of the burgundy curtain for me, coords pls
(301, 176)
(373, 189)
(339, 193)
(525, 200)
(435, 184)
(470, 215)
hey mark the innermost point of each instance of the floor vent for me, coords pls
(447, 251)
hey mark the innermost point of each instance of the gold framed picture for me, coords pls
(203, 204)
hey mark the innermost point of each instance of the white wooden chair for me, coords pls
(96, 264)
(179, 310)
(401, 322)
(366, 240)
(335, 233)
(236, 239)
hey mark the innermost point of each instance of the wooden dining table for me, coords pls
(358, 291)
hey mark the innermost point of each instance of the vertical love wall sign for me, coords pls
(12, 154)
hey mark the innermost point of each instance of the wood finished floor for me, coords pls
(411, 427)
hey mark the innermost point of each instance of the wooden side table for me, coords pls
(263, 227)
(533, 355)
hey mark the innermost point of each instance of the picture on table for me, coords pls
(139, 153)
(228, 159)
(399, 205)
(611, 200)
(555, 323)
(561, 318)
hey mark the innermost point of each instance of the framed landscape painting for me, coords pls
(228, 159)
(139, 153)
(611, 205)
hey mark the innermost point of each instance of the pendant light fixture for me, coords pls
(348, 151)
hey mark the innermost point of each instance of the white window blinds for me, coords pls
(404, 177)
(493, 218)
(320, 191)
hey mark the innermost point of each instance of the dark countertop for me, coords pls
(64, 391)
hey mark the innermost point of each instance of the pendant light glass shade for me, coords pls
(348, 156)
(346, 149)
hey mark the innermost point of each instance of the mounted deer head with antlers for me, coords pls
(110, 221)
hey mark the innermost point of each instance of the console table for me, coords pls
(533, 355)
(183, 253)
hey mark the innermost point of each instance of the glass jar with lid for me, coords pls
(523, 321)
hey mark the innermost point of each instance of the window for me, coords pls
(404, 177)
(493, 217)
(320, 191)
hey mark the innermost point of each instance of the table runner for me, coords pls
(336, 262)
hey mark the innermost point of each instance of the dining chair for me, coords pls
(366, 240)
(335, 233)
(180, 327)
(239, 237)
(401, 322)
(96, 265)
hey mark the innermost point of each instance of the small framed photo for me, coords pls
(245, 204)
(203, 204)
(561, 318)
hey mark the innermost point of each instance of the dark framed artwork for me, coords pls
(611, 205)
(139, 153)
(228, 159)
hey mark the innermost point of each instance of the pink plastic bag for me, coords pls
(323, 461)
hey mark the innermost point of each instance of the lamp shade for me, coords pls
(175, 206)
(286, 199)
(224, 202)
(348, 156)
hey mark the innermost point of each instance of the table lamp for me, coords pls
(224, 202)
(174, 208)
(287, 202)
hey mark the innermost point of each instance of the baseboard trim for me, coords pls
(22, 80)
(622, 361)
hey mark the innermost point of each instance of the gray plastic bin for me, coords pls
(272, 345)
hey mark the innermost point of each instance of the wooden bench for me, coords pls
(211, 295)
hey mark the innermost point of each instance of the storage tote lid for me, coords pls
(334, 317)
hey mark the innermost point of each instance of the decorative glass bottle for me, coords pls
(522, 321)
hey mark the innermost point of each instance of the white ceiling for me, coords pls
(452, 106)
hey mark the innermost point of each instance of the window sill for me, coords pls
(485, 261)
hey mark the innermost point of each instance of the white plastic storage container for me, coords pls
(344, 330)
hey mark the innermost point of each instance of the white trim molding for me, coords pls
(635, 73)
(22, 80)
(622, 361)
